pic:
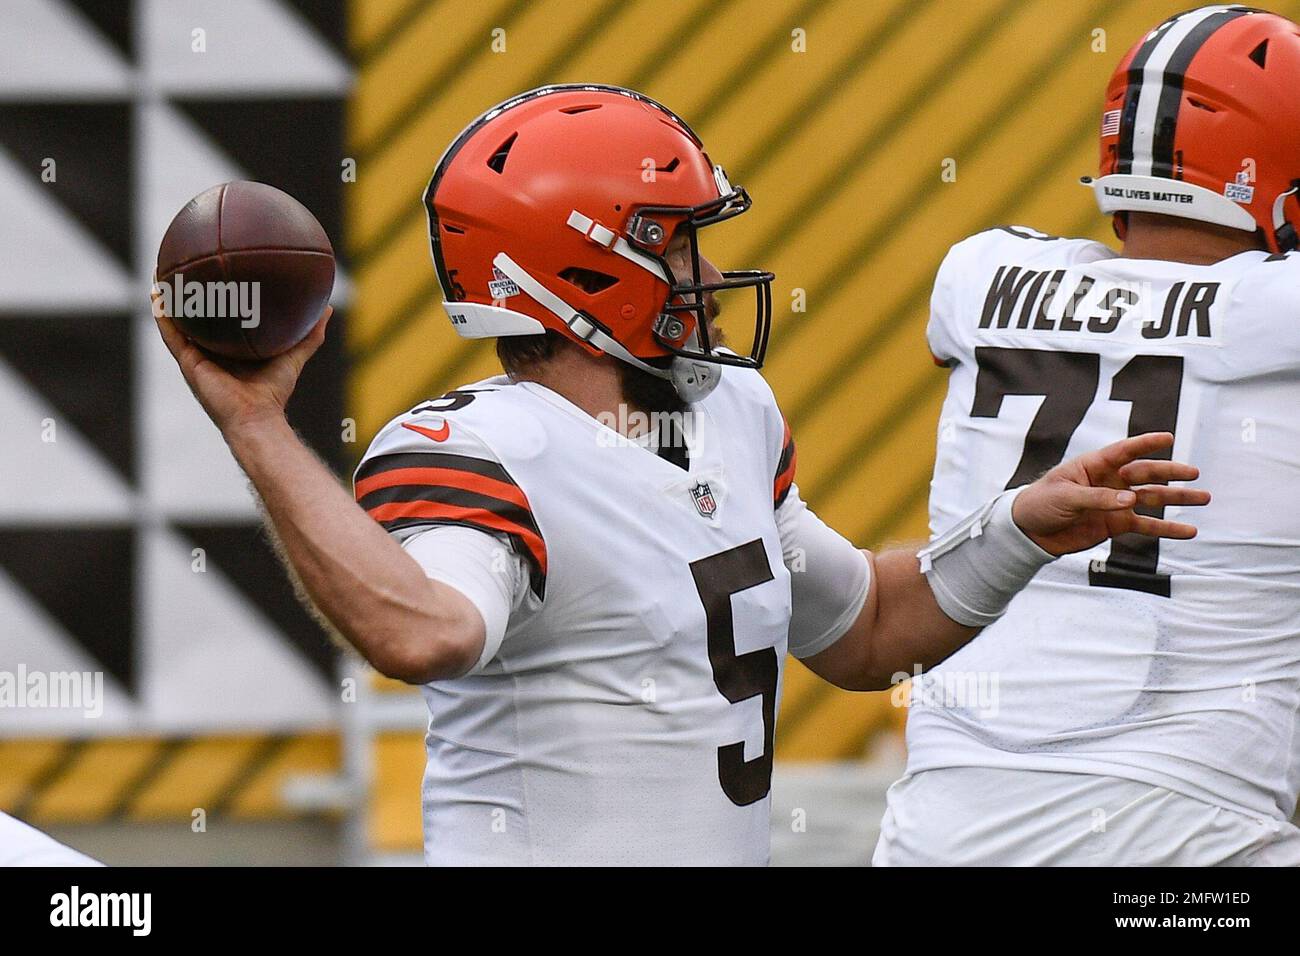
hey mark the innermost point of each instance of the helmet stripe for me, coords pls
(1171, 94)
(1133, 95)
(1155, 84)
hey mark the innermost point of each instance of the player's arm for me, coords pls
(377, 596)
(879, 649)
(921, 607)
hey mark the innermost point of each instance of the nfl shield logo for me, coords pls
(705, 503)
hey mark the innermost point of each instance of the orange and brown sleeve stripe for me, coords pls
(427, 488)
(784, 469)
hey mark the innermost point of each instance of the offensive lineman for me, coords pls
(599, 612)
(1149, 692)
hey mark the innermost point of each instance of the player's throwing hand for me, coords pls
(233, 392)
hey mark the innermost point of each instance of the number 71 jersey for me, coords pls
(1171, 662)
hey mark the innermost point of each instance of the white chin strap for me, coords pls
(692, 379)
(1279, 214)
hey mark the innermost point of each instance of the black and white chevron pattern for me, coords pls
(109, 120)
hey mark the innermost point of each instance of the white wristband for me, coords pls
(976, 568)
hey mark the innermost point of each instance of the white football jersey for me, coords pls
(628, 715)
(24, 845)
(1175, 663)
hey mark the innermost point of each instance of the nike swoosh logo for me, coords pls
(439, 434)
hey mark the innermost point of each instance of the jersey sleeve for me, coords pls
(1266, 301)
(829, 577)
(424, 470)
(480, 566)
(783, 480)
(939, 329)
(757, 409)
(944, 329)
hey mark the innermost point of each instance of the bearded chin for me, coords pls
(649, 392)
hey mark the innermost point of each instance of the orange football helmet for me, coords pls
(554, 209)
(1202, 120)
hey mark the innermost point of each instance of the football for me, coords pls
(245, 270)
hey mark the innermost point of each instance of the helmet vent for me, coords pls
(498, 161)
(676, 161)
(1192, 101)
(1259, 54)
(453, 229)
(573, 110)
(588, 280)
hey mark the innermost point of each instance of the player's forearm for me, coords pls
(910, 632)
(374, 594)
(901, 629)
(923, 606)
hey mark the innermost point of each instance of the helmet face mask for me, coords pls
(683, 324)
(555, 210)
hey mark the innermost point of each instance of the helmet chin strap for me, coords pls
(1284, 233)
(692, 379)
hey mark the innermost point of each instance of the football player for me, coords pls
(1148, 692)
(596, 601)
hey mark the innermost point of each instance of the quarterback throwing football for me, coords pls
(599, 612)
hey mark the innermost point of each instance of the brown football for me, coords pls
(245, 270)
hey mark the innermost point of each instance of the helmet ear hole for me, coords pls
(588, 280)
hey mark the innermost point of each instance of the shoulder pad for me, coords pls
(434, 466)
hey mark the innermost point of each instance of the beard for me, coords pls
(648, 392)
(653, 394)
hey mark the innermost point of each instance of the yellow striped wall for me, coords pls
(136, 780)
(841, 147)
